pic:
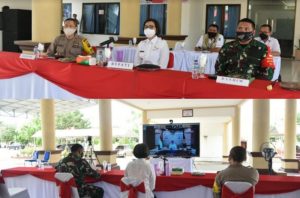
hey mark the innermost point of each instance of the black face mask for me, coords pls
(212, 34)
(263, 36)
(244, 36)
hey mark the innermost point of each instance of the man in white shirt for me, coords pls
(141, 169)
(153, 50)
(265, 37)
(212, 41)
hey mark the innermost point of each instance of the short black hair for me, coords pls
(247, 20)
(238, 154)
(141, 151)
(156, 25)
(71, 19)
(76, 147)
(267, 25)
(214, 25)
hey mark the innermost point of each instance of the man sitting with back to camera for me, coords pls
(235, 171)
(212, 41)
(80, 168)
(69, 44)
(245, 57)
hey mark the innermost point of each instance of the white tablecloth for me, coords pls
(186, 163)
(32, 86)
(38, 188)
(183, 59)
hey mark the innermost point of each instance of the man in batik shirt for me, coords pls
(80, 168)
(245, 57)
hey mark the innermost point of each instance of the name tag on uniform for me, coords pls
(234, 81)
(120, 65)
(28, 56)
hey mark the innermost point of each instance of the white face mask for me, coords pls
(69, 31)
(149, 32)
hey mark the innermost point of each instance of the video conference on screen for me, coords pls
(180, 140)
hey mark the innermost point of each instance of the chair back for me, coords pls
(3, 189)
(171, 60)
(65, 181)
(35, 155)
(132, 188)
(46, 156)
(237, 189)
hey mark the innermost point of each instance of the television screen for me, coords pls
(170, 140)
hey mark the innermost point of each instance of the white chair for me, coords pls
(12, 192)
(127, 182)
(238, 188)
(65, 177)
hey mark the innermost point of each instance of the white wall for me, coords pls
(94, 39)
(14, 4)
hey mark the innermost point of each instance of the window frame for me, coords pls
(163, 29)
(95, 26)
(221, 27)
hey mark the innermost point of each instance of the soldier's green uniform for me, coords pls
(243, 61)
(66, 47)
(80, 168)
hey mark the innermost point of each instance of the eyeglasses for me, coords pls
(149, 26)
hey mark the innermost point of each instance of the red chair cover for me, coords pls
(227, 193)
(1, 180)
(133, 190)
(268, 60)
(65, 188)
(171, 60)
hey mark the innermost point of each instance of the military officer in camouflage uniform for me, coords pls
(243, 57)
(69, 44)
(80, 168)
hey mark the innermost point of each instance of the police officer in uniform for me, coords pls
(69, 44)
(245, 57)
(80, 168)
(235, 171)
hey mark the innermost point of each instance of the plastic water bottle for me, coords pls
(99, 57)
(167, 169)
(195, 69)
(109, 167)
(36, 52)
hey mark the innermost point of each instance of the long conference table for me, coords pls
(49, 78)
(41, 184)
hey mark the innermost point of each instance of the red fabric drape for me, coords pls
(227, 193)
(65, 188)
(102, 82)
(133, 190)
(1, 180)
(266, 184)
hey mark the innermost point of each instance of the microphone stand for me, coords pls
(165, 160)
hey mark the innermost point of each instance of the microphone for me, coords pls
(109, 41)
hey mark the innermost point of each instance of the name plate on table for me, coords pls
(120, 65)
(234, 81)
(27, 56)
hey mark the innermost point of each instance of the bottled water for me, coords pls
(195, 70)
(36, 52)
(99, 57)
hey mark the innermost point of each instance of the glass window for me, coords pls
(281, 16)
(225, 16)
(154, 11)
(100, 18)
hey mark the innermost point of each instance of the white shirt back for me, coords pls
(155, 51)
(272, 43)
(142, 169)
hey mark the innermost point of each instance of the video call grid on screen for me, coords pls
(172, 140)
